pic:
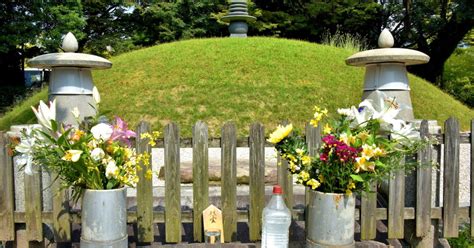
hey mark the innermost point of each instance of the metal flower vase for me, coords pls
(104, 219)
(330, 220)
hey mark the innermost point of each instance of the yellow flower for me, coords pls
(347, 138)
(72, 155)
(379, 152)
(313, 183)
(364, 164)
(77, 135)
(370, 151)
(292, 166)
(363, 135)
(148, 174)
(303, 176)
(299, 151)
(280, 133)
(321, 178)
(318, 116)
(327, 129)
(306, 160)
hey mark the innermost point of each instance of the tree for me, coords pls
(433, 27)
(30, 28)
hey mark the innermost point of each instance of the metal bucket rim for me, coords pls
(320, 192)
(108, 190)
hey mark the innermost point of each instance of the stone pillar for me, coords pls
(71, 85)
(238, 18)
(71, 79)
(386, 72)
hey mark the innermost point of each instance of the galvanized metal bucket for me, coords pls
(330, 220)
(104, 219)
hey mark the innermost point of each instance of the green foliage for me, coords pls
(459, 75)
(464, 240)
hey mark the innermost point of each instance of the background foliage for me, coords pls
(108, 28)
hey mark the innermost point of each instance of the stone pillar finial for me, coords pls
(238, 18)
(385, 39)
(70, 44)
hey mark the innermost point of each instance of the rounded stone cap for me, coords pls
(230, 18)
(69, 59)
(384, 55)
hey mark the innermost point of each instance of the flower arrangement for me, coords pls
(360, 146)
(94, 154)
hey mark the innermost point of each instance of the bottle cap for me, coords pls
(277, 190)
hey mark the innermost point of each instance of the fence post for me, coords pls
(33, 203)
(285, 178)
(7, 224)
(61, 208)
(423, 186)
(200, 177)
(229, 181)
(144, 189)
(451, 178)
(257, 179)
(172, 184)
(396, 204)
(472, 179)
(313, 140)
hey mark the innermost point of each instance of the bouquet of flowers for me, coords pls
(94, 154)
(360, 146)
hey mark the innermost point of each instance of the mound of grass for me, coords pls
(243, 80)
(459, 75)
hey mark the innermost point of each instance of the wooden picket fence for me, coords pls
(61, 217)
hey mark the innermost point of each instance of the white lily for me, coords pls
(405, 134)
(45, 114)
(97, 154)
(384, 109)
(345, 111)
(102, 131)
(27, 149)
(360, 117)
(72, 155)
(96, 95)
(111, 169)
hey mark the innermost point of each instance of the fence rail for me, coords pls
(145, 216)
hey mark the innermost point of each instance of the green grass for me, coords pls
(243, 80)
(459, 75)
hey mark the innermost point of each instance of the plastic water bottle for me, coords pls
(276, 220)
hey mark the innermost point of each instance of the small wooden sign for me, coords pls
(212, 219)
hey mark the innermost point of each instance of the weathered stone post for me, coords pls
(71, 79)
(71, 85)
(386, 72)
(238, 17)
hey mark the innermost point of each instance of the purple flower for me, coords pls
(121, 132)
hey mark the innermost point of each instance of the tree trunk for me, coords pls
(441, 48)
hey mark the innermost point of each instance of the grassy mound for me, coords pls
(243, 80)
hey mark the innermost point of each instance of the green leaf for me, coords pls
(378, 163)
(110, 185)
(357, 178)
(54, 125)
